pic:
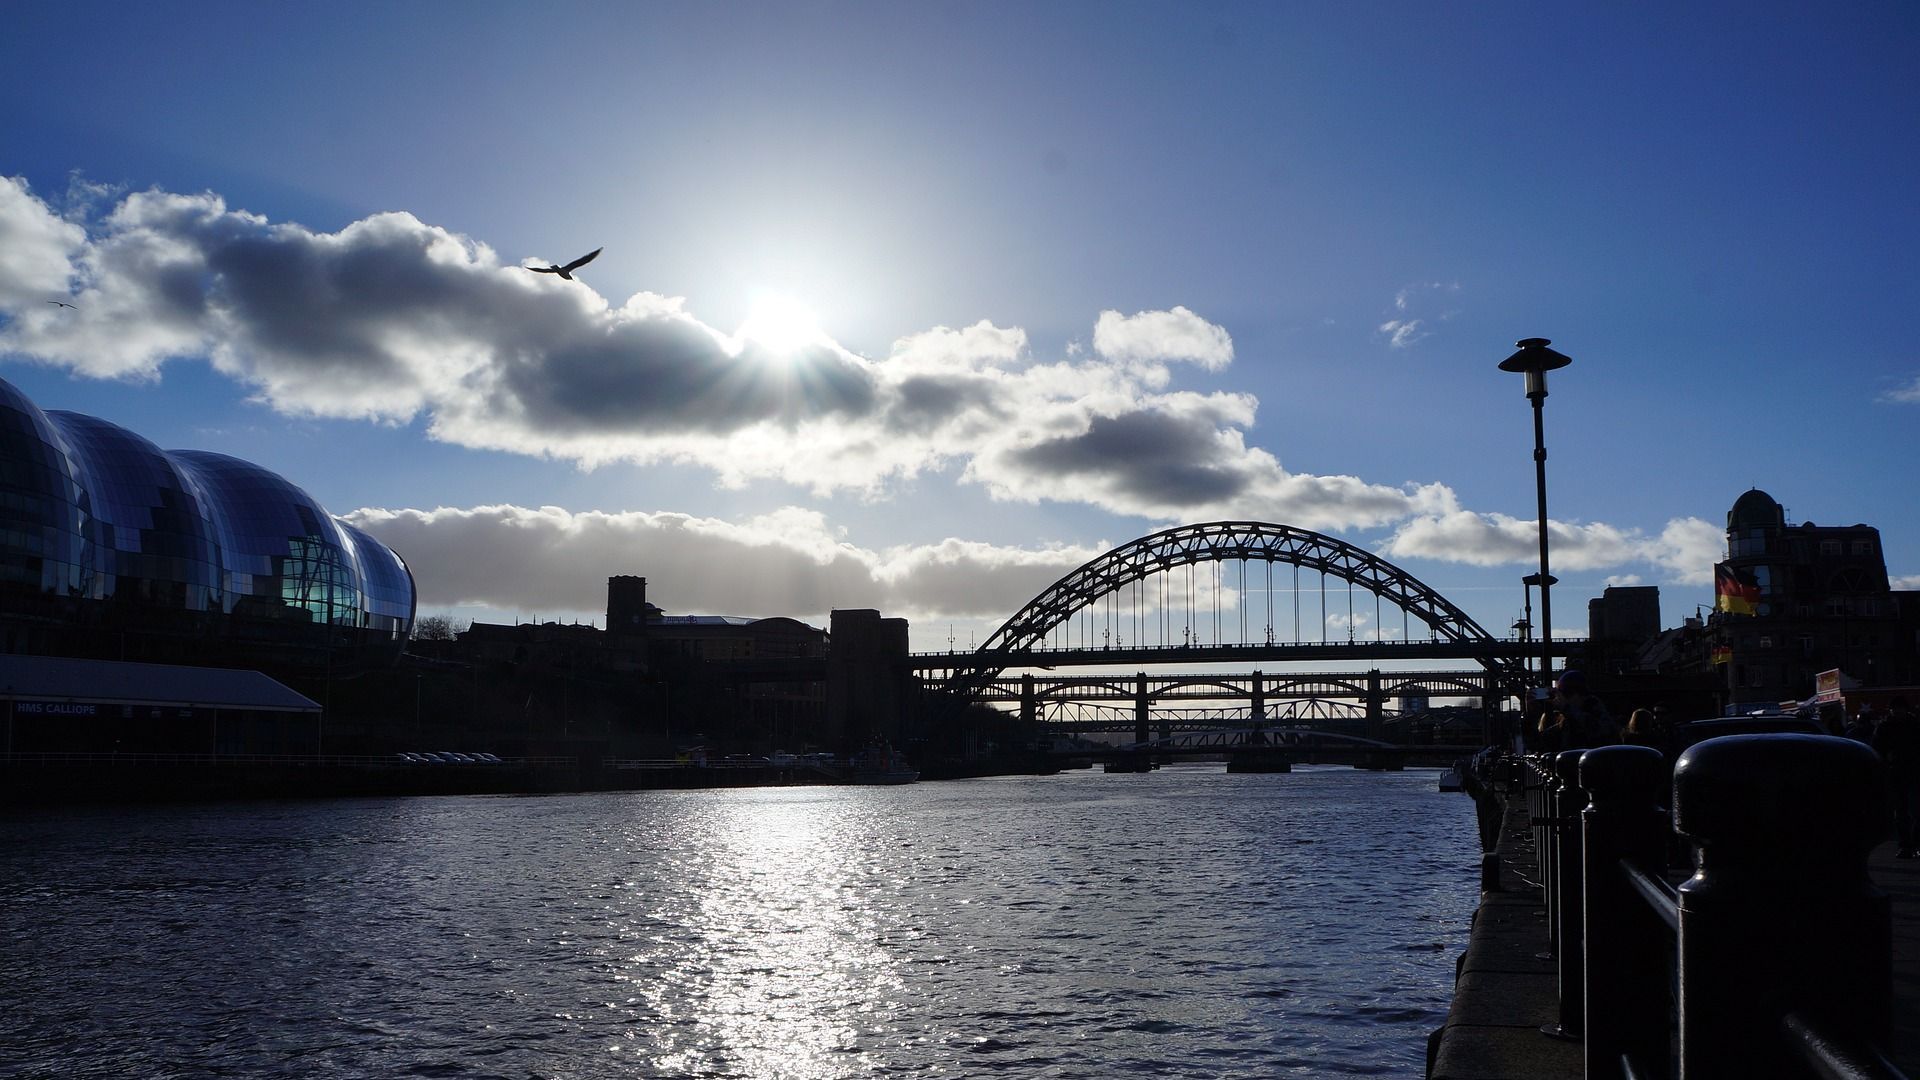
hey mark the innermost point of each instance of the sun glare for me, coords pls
(780, 324)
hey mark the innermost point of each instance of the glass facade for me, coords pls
(91, 510)
(45, 513)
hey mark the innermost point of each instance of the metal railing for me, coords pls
(1773, 959)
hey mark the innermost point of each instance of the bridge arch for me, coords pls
(1220, 542)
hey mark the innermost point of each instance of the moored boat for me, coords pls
(882, 765)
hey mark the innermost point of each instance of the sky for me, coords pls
(919, 306)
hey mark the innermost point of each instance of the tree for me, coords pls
(433, 628)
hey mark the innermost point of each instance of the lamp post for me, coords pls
(1527, 585)
(1534, 360)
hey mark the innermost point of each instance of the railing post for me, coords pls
(1780, 914)
(1566, 885)
(1626, 945)
(1541, 805)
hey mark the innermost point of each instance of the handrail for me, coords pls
(1833, 1055)
(1782, 825)
(1659, 893)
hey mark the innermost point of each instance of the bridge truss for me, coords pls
(1189, 589)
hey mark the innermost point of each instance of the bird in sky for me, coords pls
(63, 303)
(567, 270)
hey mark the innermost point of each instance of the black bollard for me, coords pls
(1780, 915)
(1568, 954)
(1627, 945)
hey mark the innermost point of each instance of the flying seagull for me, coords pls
(567, 270)
(62, 303)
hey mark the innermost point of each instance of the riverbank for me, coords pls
(1504, 984)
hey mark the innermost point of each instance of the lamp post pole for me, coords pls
(1534, 360)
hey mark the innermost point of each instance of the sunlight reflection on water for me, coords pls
(1183, 923)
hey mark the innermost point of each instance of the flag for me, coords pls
(1734, 591)
(1722, 654)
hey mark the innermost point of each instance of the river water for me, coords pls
(1181, 923)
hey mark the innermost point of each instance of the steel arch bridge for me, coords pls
(1106, 576)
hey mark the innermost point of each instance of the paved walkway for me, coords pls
(1901, 880)
(1505, 993)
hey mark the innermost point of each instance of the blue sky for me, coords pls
(1316, 230)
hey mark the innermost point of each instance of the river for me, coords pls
(1183, 923)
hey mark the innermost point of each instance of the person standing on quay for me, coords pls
(1575, 719)
(1646, 727)
(1897, 740)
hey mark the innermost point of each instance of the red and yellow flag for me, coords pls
(1734, 592)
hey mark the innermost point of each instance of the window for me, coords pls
(1863, 547)
(1829, 547)
(1766, 641)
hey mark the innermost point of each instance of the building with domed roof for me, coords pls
(1821, 601)
(112, 547)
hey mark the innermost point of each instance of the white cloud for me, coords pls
(1621, 580)
(1906, 581)
(1686, 548)
(1402, 332)
(790, 561)
(1412, 320)
(1903, 395)
(1153, 336)
(391, 319)
(36, 252)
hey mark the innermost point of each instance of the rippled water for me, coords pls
(1181, 923)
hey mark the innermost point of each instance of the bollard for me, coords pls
(1566, 888)
(1780, 914)
(1548, 852)
(1626, 943)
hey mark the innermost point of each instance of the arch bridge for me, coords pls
(1231, 591)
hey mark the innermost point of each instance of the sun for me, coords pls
(781, 325)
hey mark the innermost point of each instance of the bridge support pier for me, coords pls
(1257, 711)
(1142, 708)
(1029, 703)
(1376, 708)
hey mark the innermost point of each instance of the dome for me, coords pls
(91, 510)
(386, 584)
(45, 512)
(153, 535)
(280, 546)
(1755, 510)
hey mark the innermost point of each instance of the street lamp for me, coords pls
(1534, 360)
(1527, 585)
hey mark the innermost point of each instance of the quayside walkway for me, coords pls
(1842, 967)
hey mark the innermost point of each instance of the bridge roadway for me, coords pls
(814, 668)
(1238, 686)
(1231, 652)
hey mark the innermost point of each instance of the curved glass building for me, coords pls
(92, 511)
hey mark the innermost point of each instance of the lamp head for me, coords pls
(1534, 579)
(1534, 360)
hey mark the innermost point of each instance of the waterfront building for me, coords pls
(735, 679)
(111, 547)
(1797, 600)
